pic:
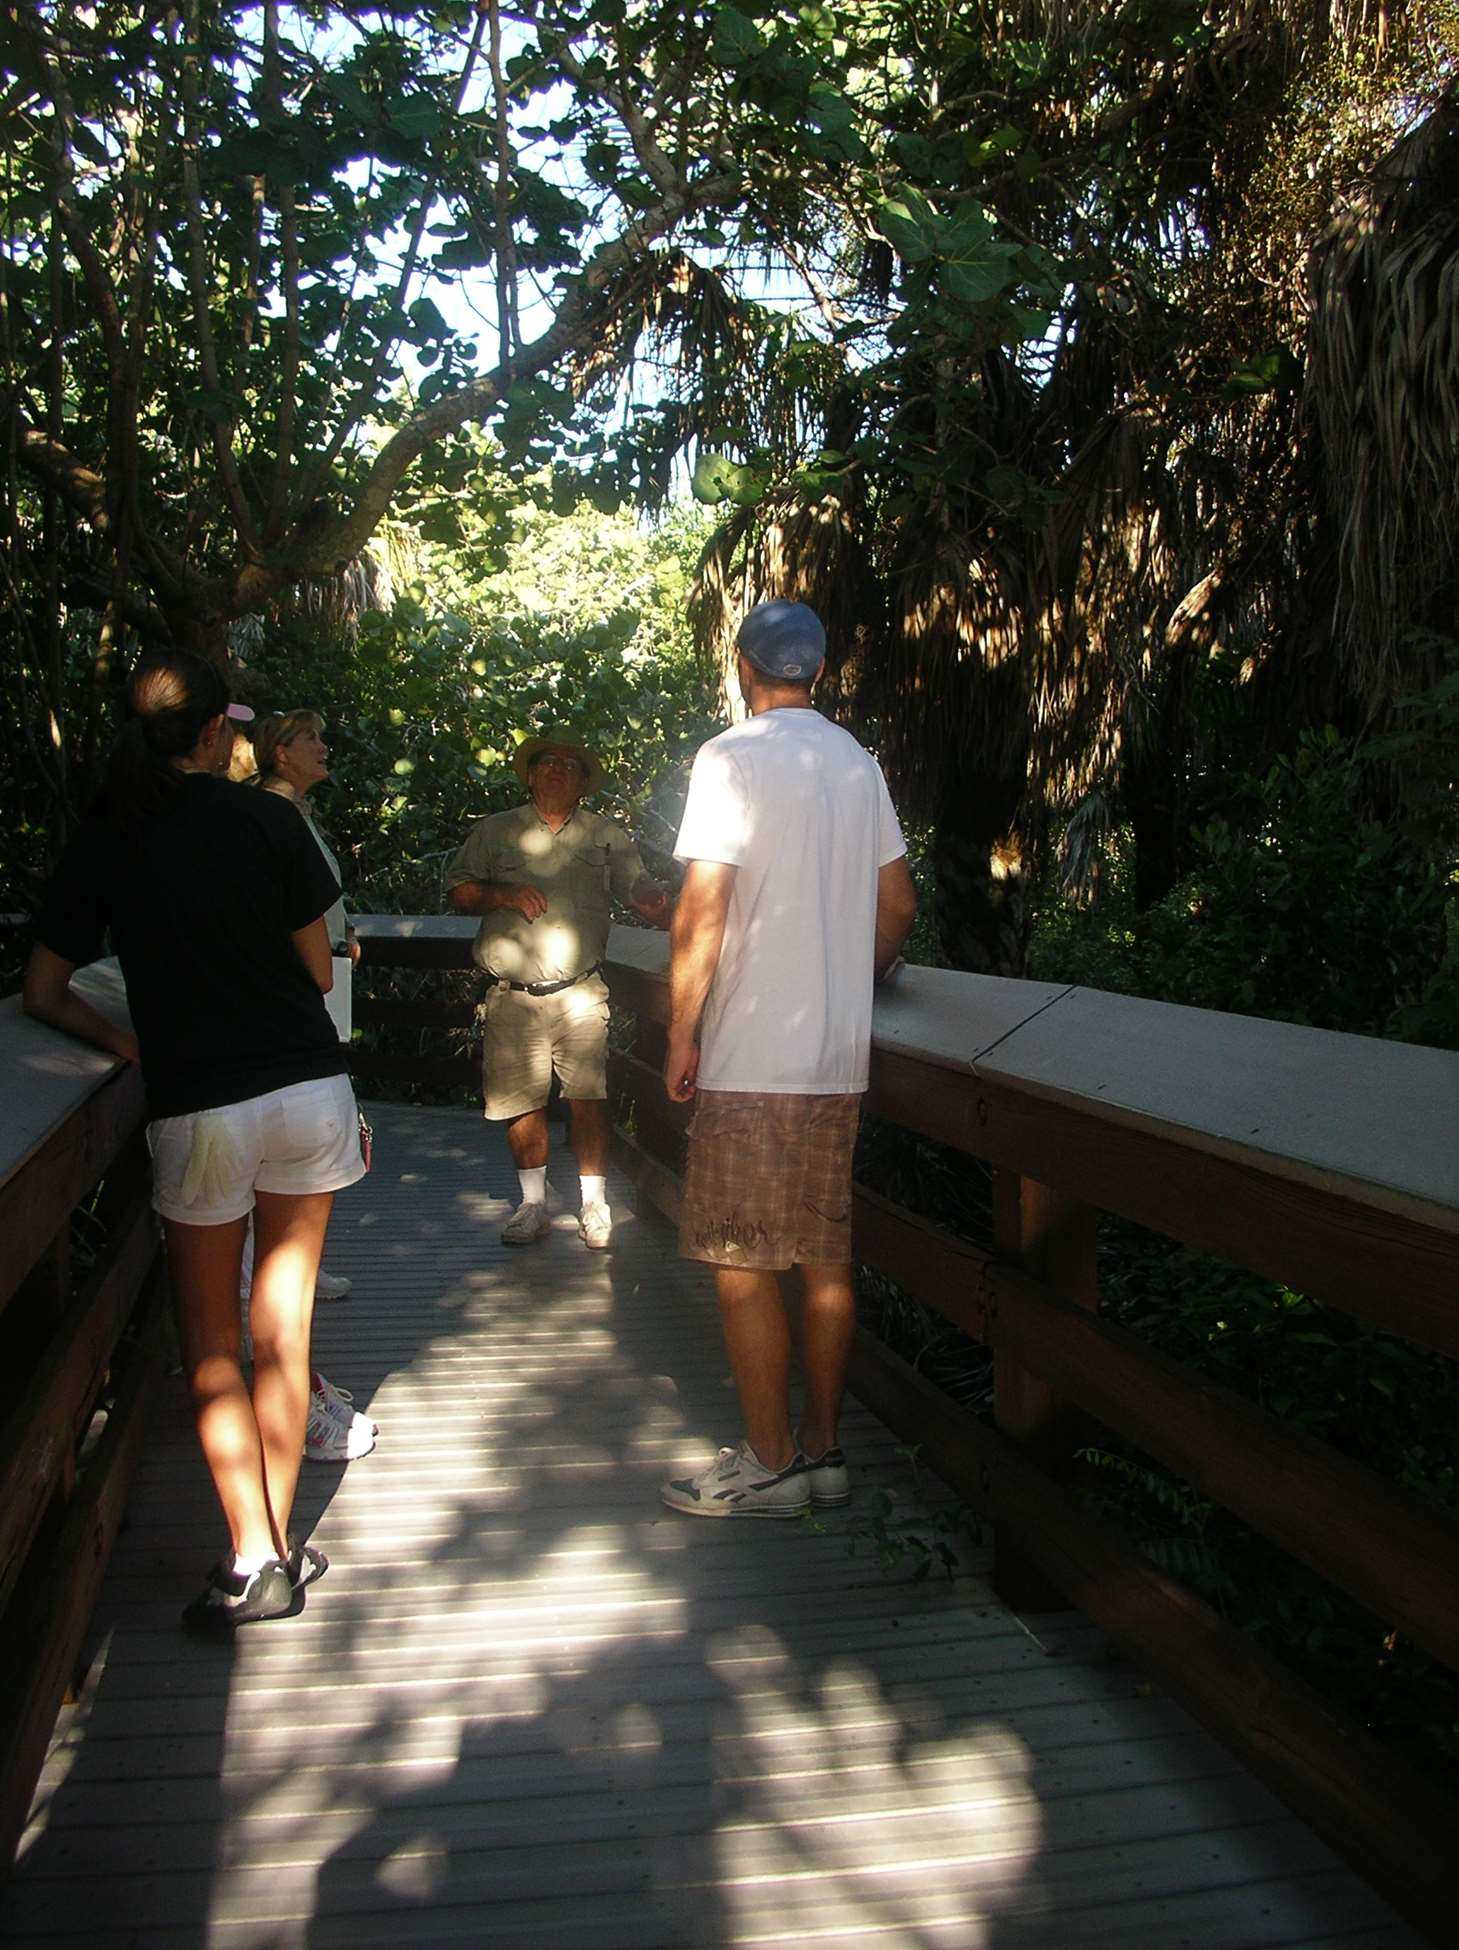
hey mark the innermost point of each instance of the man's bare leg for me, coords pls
(527, 1139)
(828, 1327)
(589, 1134)
(757, 1340)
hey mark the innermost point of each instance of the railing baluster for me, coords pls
(1052, 1237)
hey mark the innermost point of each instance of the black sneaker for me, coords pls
(306, 1563)
(232, 1598)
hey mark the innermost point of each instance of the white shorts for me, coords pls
(207, 1164)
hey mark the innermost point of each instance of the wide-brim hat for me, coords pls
(559, 738)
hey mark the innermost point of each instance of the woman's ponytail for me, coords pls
(170, 700)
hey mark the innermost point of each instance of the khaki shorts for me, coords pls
(524, 1038)
(768, 1182)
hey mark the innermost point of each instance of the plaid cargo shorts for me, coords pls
(768, 1182)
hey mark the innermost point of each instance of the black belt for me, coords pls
(544, 988)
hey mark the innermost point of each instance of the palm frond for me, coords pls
(1382, 396)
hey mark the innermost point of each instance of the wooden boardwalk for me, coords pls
(529, 1708)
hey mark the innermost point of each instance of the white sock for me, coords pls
(246, 1566)
(595, 1190)
(534, 1184)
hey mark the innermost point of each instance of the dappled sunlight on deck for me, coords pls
(528, 1706)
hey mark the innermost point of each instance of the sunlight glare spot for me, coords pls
(636, 1726)
(415, 1871)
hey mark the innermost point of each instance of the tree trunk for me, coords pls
(978, 857)
(1151, 794)
(201, 628)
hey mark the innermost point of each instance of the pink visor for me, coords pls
(242, 712)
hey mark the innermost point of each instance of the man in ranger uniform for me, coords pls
(543, 878)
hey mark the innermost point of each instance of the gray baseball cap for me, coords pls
(784, 640)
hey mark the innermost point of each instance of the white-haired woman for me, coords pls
(292, 759)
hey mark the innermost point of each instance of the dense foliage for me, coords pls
(426, 699)
(1321, 890)
(1135, 339)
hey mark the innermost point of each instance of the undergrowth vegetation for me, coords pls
(1322, 893)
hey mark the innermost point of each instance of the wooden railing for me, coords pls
(83, 1332)
(1329, 1162)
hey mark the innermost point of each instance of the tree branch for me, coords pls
(78, 233)
(53, 464)
(273, 103)
(578, 323)
(366, 392)
(222, 424)
(657, 166)
(509, 336)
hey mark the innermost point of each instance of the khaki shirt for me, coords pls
(581, 869)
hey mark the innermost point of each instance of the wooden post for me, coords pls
(1053, 1237)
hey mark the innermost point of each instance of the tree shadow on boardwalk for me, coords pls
(530, 1707)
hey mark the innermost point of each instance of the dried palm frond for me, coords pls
(1083, 847)
(1382, 397)
(810, 551)
(717, 601)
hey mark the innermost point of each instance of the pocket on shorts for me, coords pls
(721, 1123)
(312, 1115)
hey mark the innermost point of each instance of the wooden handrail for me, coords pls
(1226, 1133)
(73, 1120)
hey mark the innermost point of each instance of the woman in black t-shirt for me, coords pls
(214, 898)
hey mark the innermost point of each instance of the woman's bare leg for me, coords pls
(205, 1261)
(288, 1242)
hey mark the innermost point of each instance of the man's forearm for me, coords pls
(889, 941)
(695, 939)
(896, 910)
(651, 903)
(480, 896)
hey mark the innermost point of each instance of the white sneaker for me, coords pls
(829, 1478)
(330, 1286)
(340, 1402)
(595, 1227)
(334, 1431)
(527, 1225)
(737, 1484)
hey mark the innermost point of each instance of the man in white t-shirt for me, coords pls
(795, 900)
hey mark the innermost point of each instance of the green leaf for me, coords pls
(961, 235)
(1023, 324)
(426, 316)
(909, 223)
(831, 112)
(984, 149)
(88, 145)
(1269, 372)
(710, 482)
(984, 273)
(914, 153)
(718, 478)
(736, 40)
(420, 117)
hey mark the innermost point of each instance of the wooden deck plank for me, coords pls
(530, 1707)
